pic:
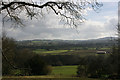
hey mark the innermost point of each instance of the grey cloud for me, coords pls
(50, 28)
(111, 24)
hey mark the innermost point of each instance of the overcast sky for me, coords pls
(97, 25)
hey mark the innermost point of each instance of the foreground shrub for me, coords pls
(94, 66)
(38, 66)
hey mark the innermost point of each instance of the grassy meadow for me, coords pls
(43, 51)
(66, 52)
(64, 70)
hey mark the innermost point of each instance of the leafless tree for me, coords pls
(70, 11)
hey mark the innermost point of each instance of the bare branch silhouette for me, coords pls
(71, 12)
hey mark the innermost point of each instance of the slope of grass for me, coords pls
(64, 70)
(53, 52)
(56, 51)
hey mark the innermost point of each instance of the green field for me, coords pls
(64, 70)
(53, 52)
(56, 51)
(65, 52)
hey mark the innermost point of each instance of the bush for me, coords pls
(81, 71)
(38, 66)
(93, 66)
(8, 49)
(48, 69)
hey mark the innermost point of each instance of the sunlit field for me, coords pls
(64, 70)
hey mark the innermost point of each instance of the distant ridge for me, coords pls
(106, 42)
(108, 38)
(104, 38)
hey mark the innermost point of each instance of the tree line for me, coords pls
(63, 44)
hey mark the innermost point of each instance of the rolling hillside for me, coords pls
(106, 42)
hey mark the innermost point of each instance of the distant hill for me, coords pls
(68, 44)
(108, 38)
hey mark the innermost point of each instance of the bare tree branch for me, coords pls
(29, 4)
(70, 10)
